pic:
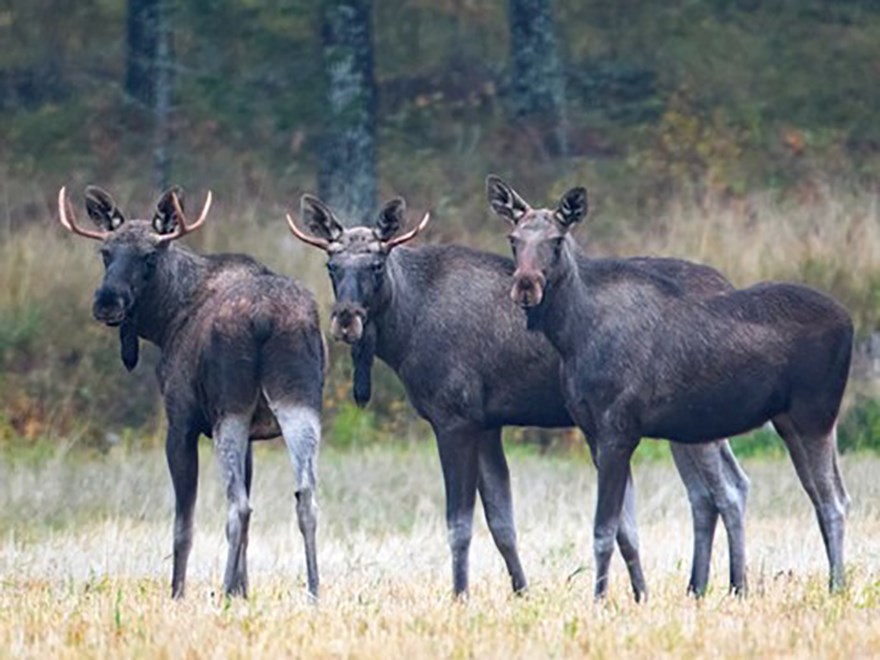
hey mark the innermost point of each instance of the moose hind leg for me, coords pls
(715, 479)
(703, 513)
(731, 498)
(231, 438)
(301, 427)
(815, 455)
(181, 452)
(494, 487)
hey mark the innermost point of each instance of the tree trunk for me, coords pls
(538, 78)
(143, 46)
(149, 76)
(162, 95)
(347, 171)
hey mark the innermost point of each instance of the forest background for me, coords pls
(742, 134)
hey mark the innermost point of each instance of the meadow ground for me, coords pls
(85, 565)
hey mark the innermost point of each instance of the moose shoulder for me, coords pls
(242, 359)
(640, 358)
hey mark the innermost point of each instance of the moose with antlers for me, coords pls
(441, 318)
(242, 359)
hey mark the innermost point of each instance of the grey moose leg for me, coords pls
(494, 486)
(181, 452)
(231, 446)
(459, 462)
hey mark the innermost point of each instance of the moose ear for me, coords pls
(102, 209)
(504, 200)
(319, 219)
(167, 215)
(391, 219)
(572, 207)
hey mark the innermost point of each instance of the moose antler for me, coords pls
(68, 220)
(306, 238)
(408, 236)
(183, 227)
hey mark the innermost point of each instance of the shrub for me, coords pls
(860, 428)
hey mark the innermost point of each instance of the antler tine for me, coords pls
(183, 226)
(408, 236)
(68, 220)
(304, 237)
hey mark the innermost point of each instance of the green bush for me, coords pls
(762, 442)
(860, 428)
(353, 427)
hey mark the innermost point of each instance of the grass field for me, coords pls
(85, 566)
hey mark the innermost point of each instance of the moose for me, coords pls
(242, 358)
(441, 318)
(642, 358)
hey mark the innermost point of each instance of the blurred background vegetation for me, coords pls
(741, 133)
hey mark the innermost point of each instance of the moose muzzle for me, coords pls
(347, 322)
(111, 306)
(528, 288)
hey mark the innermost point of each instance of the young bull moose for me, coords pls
(242, 359)
(441, 318)
(641, 358)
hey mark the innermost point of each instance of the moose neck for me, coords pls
(174, 288)
(567, 310)
(395, 319)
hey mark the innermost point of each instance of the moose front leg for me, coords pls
(494, 487)
(231, 446)
(181, 452)
(628, 534)
(628, 541)
(613, 458)
(458, 458)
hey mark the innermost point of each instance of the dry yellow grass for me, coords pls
(84, 566)
(828, 239)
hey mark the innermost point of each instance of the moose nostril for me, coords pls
(105, 298)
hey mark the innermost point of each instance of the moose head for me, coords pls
(537, 237)
(130, 250)
(357, 260)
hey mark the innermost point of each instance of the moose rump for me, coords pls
(256, 359)
(260, 373)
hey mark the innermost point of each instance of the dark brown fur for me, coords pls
(441, 318)
(640, 358)
(242, 359)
